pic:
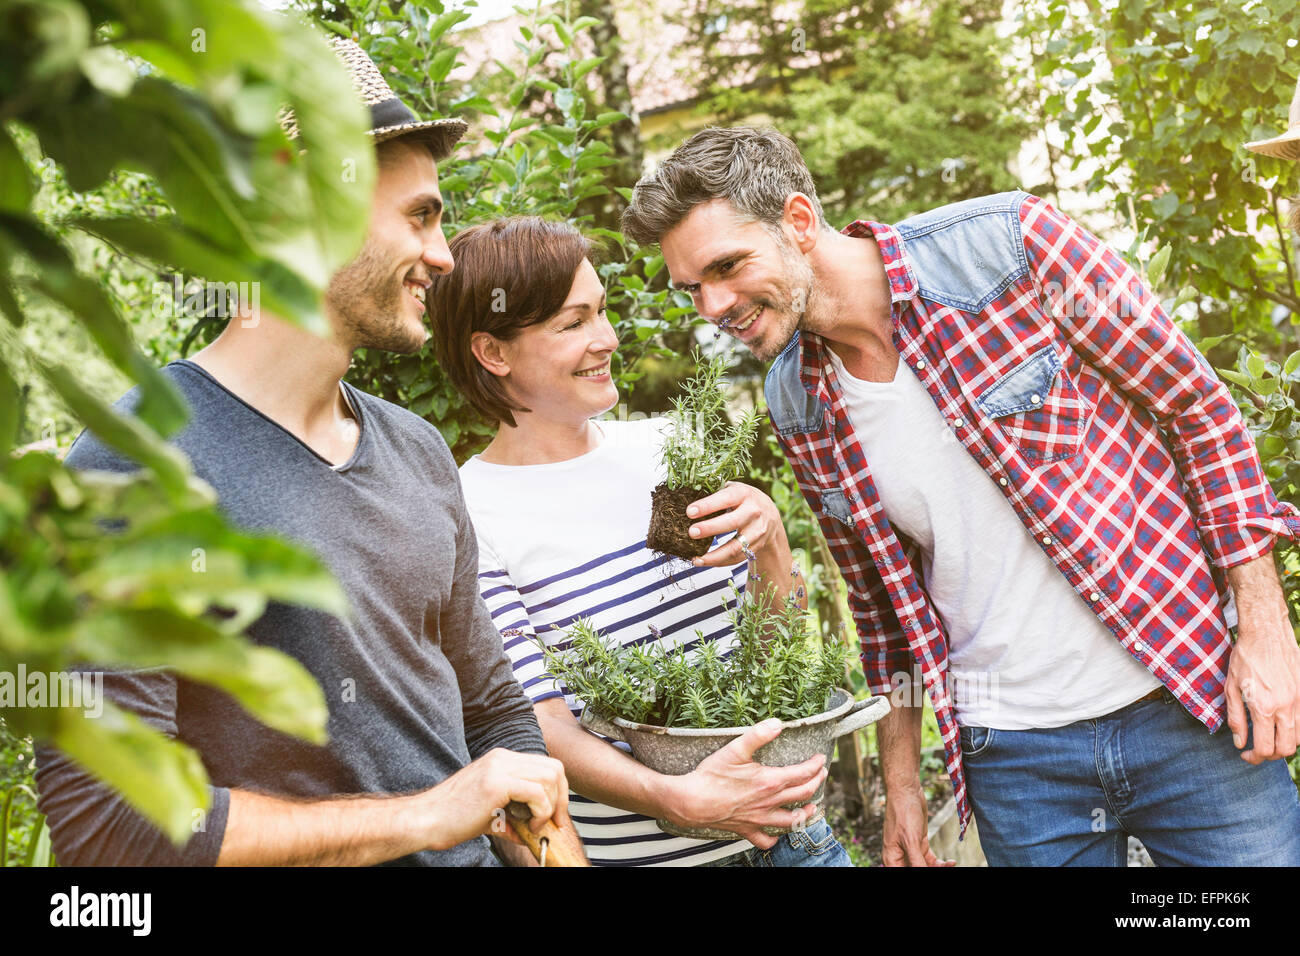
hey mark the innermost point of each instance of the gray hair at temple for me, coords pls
(755, 170)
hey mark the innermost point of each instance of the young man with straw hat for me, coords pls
(430, 734)
(1040, 495)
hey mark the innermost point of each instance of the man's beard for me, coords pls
(797, 298)
(370, 303)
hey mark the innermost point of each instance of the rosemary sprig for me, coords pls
(703, 449)
(775, 668)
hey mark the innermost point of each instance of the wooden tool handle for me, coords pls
(563, 848)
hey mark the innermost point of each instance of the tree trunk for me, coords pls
(625, 134)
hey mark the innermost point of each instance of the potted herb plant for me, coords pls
(675, 707)
(701, 453)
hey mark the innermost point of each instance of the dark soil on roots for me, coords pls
(670, 528)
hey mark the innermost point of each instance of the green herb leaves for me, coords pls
(774, 669)
(704, 450)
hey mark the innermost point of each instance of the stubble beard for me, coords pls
(799, 294)
(370, 304)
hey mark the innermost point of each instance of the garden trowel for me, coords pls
(554, 845)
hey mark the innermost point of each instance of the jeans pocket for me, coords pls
(815, 839)
(1173, 704)
(975, 741)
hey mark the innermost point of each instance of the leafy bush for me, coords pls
(772, 670)
(1176, 169)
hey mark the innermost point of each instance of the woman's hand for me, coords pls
(760, 539)
(749, 512)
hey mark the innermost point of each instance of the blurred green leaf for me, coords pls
(277, 289)
(154, 563)
(161, 405)
(15, 180)
(1156, 266)
(160, 777)
(271, 685)
(123, 433)
(10, 396)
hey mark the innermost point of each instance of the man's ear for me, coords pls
(800, 219)
(487, 349)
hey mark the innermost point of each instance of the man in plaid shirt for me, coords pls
(1045, 504)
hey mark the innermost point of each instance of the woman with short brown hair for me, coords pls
(560, 504)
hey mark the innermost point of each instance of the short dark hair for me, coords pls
(755, 170)
(508, 274)
(387, 151)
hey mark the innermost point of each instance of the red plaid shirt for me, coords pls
(1134, 470)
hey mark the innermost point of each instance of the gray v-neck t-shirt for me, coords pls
(416, 681)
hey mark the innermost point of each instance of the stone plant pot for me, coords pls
(679, 750)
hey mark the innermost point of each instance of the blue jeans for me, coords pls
(815, 845)
(1070, 796)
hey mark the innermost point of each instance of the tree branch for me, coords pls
(1281, 241)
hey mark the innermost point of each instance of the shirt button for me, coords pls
(1139, 647)
(920, 366)
(1047, 539)
(957, 423)
(1036, 399)
(1002, 482)
(1094, 596)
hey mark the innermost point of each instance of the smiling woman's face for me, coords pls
(559, 368)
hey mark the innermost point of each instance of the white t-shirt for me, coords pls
(1024, 649)
(566, 540)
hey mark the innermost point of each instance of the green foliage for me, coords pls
(1160, 100)
(703, 449)
(1267, 392)
(92, 97)
(24, 837)
(897, 107)
(774, 669)
(49, 331)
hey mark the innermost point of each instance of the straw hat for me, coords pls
(1286, 146)
(389, 116)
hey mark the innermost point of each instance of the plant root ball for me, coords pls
(670, 528)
